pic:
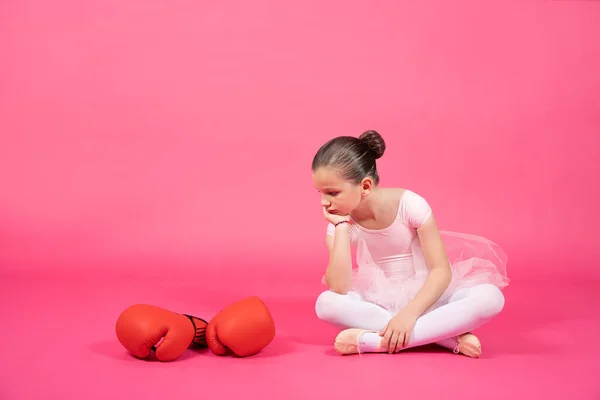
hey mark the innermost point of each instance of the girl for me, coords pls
(414, 284)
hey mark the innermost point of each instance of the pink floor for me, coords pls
(59, 343)
(159, 151)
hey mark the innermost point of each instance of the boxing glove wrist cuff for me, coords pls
(199, 329)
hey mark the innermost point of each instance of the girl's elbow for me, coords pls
(443, 274)
(447, 275)
(339, 288)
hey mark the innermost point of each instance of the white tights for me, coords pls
(465, 310)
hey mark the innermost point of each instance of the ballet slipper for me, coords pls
(347, 341)
(468, 345)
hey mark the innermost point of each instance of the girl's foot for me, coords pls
(352, 341)
(468, 344)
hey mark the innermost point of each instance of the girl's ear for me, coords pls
(366, 186)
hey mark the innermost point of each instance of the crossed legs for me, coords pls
(448, 325)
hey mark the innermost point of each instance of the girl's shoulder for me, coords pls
(413, 209)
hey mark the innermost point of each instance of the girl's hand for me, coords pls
(333, 218)
(396, 333)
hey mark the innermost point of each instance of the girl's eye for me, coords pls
(333, 193)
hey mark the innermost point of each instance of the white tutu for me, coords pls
(474, 260)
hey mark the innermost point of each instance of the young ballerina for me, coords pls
(414, 284)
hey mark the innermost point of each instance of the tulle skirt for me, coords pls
(474, 260)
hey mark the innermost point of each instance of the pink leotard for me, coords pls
(391, 267)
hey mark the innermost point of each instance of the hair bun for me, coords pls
(374, 141)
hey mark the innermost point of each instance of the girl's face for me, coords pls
(338, 196)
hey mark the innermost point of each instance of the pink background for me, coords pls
(172, 140)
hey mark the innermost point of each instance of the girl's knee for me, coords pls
(490, 300)
(329, 303)
(324, 306)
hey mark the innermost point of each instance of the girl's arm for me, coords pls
(440, 273)
(338, 275)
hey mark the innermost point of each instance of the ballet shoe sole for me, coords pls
(469, 350)
(470, 346)
(345, 349)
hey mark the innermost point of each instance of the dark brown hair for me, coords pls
(353, 157)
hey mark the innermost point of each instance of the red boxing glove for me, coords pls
(245, 328)
(141, 327)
